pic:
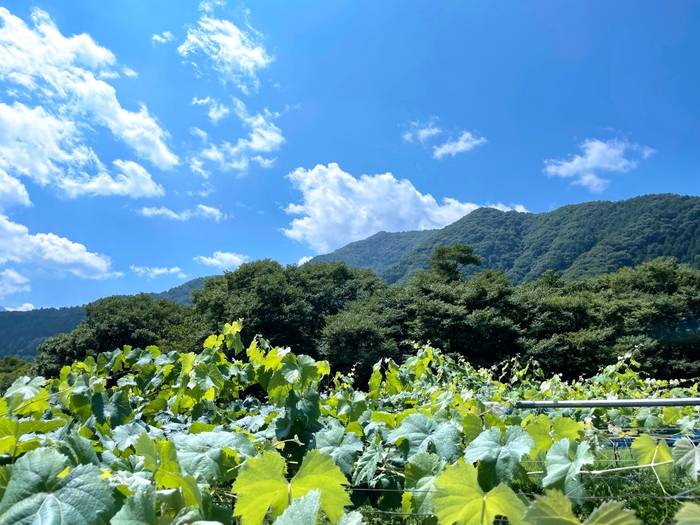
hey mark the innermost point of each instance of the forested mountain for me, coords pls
(576, 241)
(22, 332)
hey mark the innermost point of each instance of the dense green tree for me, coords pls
(449, 261)
(115, 321)
(11, 368)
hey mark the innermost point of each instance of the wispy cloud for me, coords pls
(152, 273)
(465, 142)
(223, 260)
(422, 131)
(264, 137)
(235, 54)
(216, 111)
(12, 282)
(612, 156)
(164, 37)
(200, 212)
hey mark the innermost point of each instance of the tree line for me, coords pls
(352, 318)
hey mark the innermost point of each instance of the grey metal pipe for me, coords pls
(611, 403)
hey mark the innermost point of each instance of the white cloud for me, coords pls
(304, 260)
(465, 142)
(264, 137)
(12, 282)
(199, 133)
(598, 156)
(421, 131)
(152, 273)
(50, 251)
(60, 74)
(133, 180)
(233, 53)
(12, 191)
(200, 212)
(165, 36)
(129, 72)
(339, 208)
(216, 111)
(26, 307)
(513, 207)
(223, 260)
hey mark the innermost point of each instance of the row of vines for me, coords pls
(260, 435)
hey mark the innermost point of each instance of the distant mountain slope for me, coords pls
(378, 252)
(578, 240)
(22, 332)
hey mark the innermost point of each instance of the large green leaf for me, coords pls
(459, 499)
(555, 509)
(421, 473)
(563, 466)
(647, 451)
(419, 432)
(499, 458)
(687, 456)
(319, 472)
(689, 514)
(342, 447)
(612, 513)
(37, 495)
(211, 456)
(302, 511)
(261, 485)
(367, 464)
(139, 509)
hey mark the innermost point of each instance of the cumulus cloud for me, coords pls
(598, 156)
(50, 251)
(222, 260)
(26, 307)
(304, 260)
(59, 79)
(465, 142)
(264, 137)
(216, 111)
(165, 36)
(235, 54)
(12, 191)
(152, 273)
(200, 212)
(12, 282)
(421, 131)
(338, 208)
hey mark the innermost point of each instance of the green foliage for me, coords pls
(448, 262)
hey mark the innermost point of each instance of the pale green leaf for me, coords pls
(459, 499)
(139, 509)
(260, 485)
(612, 513)
(499, 458)
(420, 432)
(563, 466)
(421, 472)
(342, 447)
(318, 472)
(302, 511)
(689, 514)
(687, 456)
(646, 451)
(551, 509)
(209, 456)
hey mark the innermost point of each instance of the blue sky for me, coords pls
(146, 143)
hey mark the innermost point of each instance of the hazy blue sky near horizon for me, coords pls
(146, 143)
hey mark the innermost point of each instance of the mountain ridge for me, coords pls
(576, 240)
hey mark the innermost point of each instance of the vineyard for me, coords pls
(260, 435)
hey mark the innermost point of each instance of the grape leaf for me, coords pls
(260, 485)
(689, 514)
(139, 509)
(302, 511)
(367, 464)
(35, 493)
(459, 499)
(210, 456)
(551, 509)
(612, 513)
(351, 518)
(687, 456)
(562, 469)
(419, 432)
(499, 461)
(421, 472)
(340, 446)
(646, 451)
(25, 388)
(319, 472)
